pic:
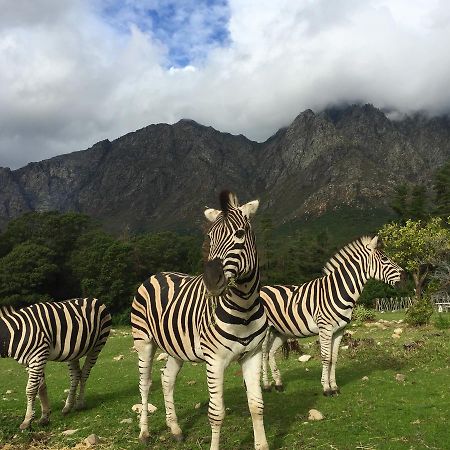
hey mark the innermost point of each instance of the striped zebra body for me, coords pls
(216, 317)
(323, 306)
(205, 326)
(55, 331)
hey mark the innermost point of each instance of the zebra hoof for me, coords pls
(44, 421)
(336, 391)
(267, 388)
(80, 407)
(178, 437)
(66, 410)
(328, 393)
(279, 387)
(24, 425)
(144, 438)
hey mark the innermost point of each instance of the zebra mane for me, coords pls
(228, 201)
(333, 263)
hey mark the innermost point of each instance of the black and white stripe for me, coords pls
(55, 331)
(216, 317)
(323, 306)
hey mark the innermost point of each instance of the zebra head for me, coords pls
(381, 267)
(229, 249)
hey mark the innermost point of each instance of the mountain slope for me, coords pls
(163, 175)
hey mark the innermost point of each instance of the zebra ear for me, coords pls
(249, 208)
(211, 214)
(373, 245)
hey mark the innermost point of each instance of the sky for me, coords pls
(75, 72)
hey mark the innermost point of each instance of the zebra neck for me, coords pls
(243, 296)
(350, 285)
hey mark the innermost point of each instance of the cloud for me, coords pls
(98, 69)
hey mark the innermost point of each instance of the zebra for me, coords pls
(216, 317)
(323, 306)
(54, 331)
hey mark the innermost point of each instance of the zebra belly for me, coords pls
(292, 324)
(179, 345)
(67, 353)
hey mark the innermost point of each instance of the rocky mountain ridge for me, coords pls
(163, 175)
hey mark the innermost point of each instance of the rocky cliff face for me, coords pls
(163, 175)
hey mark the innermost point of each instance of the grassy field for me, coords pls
(377, 413)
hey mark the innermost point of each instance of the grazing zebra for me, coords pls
(54, 331)
(323, 306)
(216, 317)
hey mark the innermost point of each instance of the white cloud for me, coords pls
(72, 75)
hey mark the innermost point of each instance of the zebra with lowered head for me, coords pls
(323, 306)
(216, 317)
(54, 331)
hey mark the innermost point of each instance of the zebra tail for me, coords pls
(291, 345)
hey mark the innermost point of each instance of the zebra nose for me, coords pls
(214, 277)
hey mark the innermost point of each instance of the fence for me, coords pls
(399, 303)
(393, 303)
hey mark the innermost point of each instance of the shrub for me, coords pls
(419, 313)
(121, 318)
(442, 321)
(362, 314)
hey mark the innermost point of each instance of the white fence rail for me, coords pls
(440, 300)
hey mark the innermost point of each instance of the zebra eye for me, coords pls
(240, 233)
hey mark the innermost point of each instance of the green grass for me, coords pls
(380, 413)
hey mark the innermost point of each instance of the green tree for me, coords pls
(27, 273)
(410, 201)
(166, 251)
(104, 269)
(442, 190)
(299, 258)
(55, 231)
(418, 247)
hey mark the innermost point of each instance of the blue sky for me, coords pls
(187, 29)
(75, 72)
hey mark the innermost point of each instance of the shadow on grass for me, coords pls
(283, 410)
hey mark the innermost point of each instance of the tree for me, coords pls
(166, 251)
(418, 246)
(26, 274)
(442, 190)
(410, 201)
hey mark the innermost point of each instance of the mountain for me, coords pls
(163, 175)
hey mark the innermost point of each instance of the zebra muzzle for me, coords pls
(214, 277)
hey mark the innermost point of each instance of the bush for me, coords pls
(442, 321)
(121, 318)
(362, 314)
(419, 313)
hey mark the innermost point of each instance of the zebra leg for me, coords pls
(267, 343)
(91, 359)
(216, 409)
(74, 374)
(146, 351)
(251, 371)
(336, 341)
(45, 404)
(169, 376)
(325, 338)
(35, 372)
(278, 341)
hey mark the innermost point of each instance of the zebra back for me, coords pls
(6, 310)
(61, 331)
